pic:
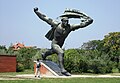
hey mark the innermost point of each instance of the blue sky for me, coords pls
(18, 23)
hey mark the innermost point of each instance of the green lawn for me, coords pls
(65, 80)
(57, 80)
(29, 71)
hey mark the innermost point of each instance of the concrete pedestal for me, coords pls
(49, 68)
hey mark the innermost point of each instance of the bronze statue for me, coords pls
(60, 31)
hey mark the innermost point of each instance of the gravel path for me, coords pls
(31, 76)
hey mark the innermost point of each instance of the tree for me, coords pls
(112, 46)
(93, 45)
(71, 59)
(38, 55)
(3, 49)
(25, 57)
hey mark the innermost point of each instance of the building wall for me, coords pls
(7, 63)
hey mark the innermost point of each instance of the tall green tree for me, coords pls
(3, 49)
(93, 45)
(25, 57)
(112, 45)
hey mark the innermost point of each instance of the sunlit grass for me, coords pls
(66, 80)
(58, 80)
(17, 73)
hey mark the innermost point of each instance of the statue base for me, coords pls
(50, 68)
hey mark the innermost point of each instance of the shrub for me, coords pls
(20, 67)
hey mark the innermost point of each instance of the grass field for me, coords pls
(57, 80)
(64, 80)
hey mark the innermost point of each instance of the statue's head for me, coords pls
(65, 21)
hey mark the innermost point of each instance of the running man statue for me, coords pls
(60, 31)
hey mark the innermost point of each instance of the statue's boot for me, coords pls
(47, 53)
(66, 73)
(43, 56)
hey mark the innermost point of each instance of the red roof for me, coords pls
(17, 46)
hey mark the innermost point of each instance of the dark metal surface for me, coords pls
(53, 66)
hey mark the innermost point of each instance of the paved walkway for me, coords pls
(73, 76)
(31, 76)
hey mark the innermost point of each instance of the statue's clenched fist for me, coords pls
(35, 9)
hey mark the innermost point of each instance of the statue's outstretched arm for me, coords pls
(85, 21)
(44, 17)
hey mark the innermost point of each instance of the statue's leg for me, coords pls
(47, 53)
(60, 53)
(61, 59)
